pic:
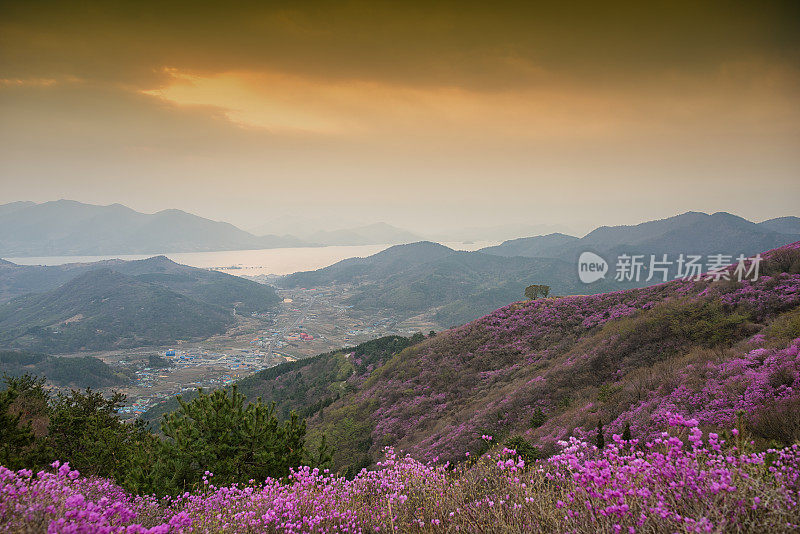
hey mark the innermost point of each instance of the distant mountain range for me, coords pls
(372, 234)
(118, 304)
(689, 233)
(457, 286)
(784, 225)
(495, 233)
(70, 228)
(66, 227)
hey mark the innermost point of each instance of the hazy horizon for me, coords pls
(429, 117)
(299, 226)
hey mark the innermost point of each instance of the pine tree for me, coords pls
(85, 430)
(24, 400)
(322, 458)
(626, 434)
(15, 437)
(601, 440)
(236, 441)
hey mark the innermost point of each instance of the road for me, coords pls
(290, 326)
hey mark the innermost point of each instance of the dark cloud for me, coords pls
(475, 44)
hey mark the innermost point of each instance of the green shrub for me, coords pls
(16, 436)
(704, 323)
(85, 430)
(782, 261)
(218, 432)
(538, 418)
(524, 449)
(222, 433)
(785, 327)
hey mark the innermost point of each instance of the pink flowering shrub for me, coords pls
(696, 484)
(673, 486)
(65, 502)
(717, 392)
(564, 355)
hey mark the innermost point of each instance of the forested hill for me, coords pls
(105, 309)
(385, 263)
(212, 287)
(80, 372)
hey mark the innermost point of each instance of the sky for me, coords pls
(428, 115)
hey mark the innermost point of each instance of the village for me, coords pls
(308, 322)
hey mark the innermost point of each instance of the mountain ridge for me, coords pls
(378, 233)
(212, 287)
(103, 309)
(784, 225)
(689, 233)
(68, 227)
(453, 287)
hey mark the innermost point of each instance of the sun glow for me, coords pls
(555, 112)
(285, 103)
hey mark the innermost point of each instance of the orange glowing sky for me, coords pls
(422, 114)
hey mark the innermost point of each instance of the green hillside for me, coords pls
(103, 309)
(82, 372)
(204, 285)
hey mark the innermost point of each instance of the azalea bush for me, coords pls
(623, 357)
(760, 382)
(686, 481)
